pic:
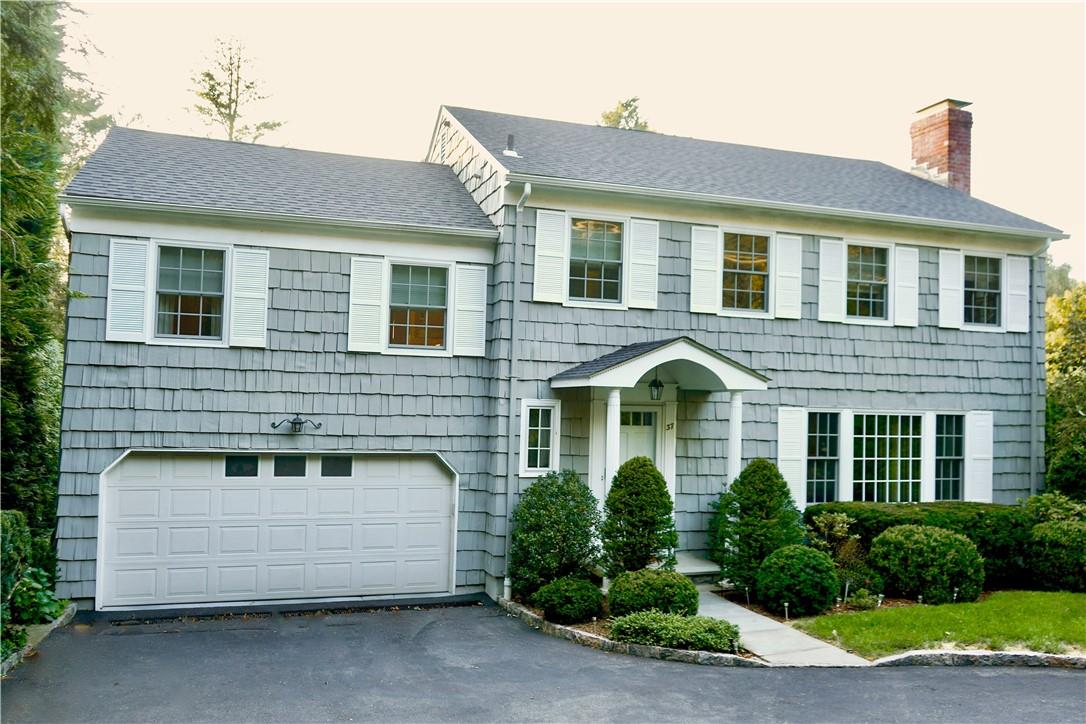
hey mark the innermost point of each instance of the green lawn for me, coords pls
(1034, 620)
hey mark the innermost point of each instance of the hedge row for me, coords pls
(1001, 532)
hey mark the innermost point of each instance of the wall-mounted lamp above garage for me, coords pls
(296, 424)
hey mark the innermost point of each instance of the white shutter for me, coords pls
(551, 269)
(126, 304)
(906, 286)
(249, 298)
(469, 318)
(831, 280)
(979, 427)
(788, 281)
(706, 284)
(951, 294)
(792, 451)
(644, 258)
(365, 322)
(1016, 299)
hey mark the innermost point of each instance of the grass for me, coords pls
(1033, 620)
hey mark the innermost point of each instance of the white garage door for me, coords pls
(199, 527)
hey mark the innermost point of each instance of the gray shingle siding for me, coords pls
(125, 395)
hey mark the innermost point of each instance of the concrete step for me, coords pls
(697, 568)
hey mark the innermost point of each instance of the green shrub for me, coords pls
(569, 600)
(555, 525)
(754, 516)
(665, 591)
(1055, 506)
(859, 575)
(1067, 470)
(829, 533)
(1000, 532)
(696, 633)
(922, 560)
(1058, 555)
(637, 528)
(16, 548)
(863, 600)
(802, 577)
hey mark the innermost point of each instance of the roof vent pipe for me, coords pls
(510, 148)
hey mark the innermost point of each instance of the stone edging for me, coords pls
(12, 661)
(942, 657)
(594, 641)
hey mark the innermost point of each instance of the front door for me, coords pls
(637, 434)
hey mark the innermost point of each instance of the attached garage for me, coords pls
(196, 527)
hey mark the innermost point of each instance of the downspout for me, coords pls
(1037, 350)
(511, 453)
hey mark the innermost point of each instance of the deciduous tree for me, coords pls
(225, 89)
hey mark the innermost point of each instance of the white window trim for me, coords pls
(1002, 326)
(150, 318)
(771, 269)
(624, 302)
(870, 321)
(556, 436)
(450, 303)
(845, 437)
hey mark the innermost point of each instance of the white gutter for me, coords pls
(94, 202)
(775, 205)
(511, 449)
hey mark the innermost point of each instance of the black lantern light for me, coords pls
(656, 387)
(296, 423)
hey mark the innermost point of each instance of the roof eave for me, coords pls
(324, 221)
(578, 184)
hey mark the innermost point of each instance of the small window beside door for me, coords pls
(540, 422)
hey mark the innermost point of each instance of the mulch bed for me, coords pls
(740, 598)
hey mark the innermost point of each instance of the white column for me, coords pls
(614, 404)
(735, 437)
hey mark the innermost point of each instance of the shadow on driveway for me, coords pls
(472, 664)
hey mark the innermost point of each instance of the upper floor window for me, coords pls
(746, 272)
(595, 260)
(982, 287)
(418, 305)
(868, 282)
(190, 292)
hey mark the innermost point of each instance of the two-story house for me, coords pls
(299, 375)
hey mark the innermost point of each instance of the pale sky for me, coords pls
(838, 79)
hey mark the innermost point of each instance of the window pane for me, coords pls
(289, 466)
(887, 458)
(418, 297)
(822, 462)
(242, 466)
(983, 285)
(336, 466)
(949, 462)
(595, 266)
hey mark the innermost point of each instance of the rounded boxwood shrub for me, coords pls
(665, 591)
(569, 600)
(555, 525)
(921, 560)
(696, 633)
(754, 516)
(802, 577)
(1055, 506)
(1058, 555)
(637, 527)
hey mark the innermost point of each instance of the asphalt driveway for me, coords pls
(473, 664)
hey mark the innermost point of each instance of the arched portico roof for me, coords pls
(689, 363)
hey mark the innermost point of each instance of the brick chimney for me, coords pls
(942, 143)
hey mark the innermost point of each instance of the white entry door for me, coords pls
(211, 527)
(637, 434)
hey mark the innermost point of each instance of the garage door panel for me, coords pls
(179, 531)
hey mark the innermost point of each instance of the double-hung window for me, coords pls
(886, 458)
(822, 456)
(595, 260)
(982, 291)
(868, 282)
(949, 456)
(189, 301)
(418, 306)
(539, 436)
(746, 272)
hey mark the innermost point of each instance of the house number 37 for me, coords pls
(669, 426)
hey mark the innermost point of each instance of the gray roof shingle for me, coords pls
(632, 351)
(650, 160)
(213, 175)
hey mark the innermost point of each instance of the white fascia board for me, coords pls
(81, 201)
(779, 206)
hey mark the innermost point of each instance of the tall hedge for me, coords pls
(1001, 533)
(555, 527)
(754, 516)
(637, 527)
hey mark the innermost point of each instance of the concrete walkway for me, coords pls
(775, 642)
